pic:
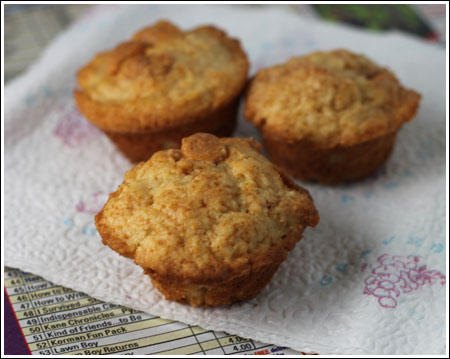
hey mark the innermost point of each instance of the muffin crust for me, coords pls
(330, 99)
(162, 78)
(330, 117)
(210, 223)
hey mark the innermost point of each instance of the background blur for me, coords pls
(29, 28)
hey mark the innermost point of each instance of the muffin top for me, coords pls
(329, 99)
(162, 77)
(214, 209)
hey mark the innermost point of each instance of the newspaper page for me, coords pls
(57, 320)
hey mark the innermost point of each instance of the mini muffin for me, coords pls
(162, 85)
(329, 116)
(209, 223)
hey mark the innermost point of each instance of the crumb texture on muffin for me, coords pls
(329, 99)
(213, 211)
(161, 77)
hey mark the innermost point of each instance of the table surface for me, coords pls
(29, 28)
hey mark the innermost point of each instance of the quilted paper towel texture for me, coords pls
(369, 279)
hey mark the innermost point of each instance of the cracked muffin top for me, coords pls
(329, 99)
(162, 77)
(214, 209)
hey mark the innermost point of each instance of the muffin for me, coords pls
(162, 85)
(329, 116)
(210, 223)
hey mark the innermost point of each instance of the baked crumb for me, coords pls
(213, 212)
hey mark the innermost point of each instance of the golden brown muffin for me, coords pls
(329, 116)
(209, 223)
(162, 85)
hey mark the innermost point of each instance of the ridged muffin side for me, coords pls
(163, 79)
(327, 107)
(209, 223)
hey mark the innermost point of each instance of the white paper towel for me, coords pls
(370, 279)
